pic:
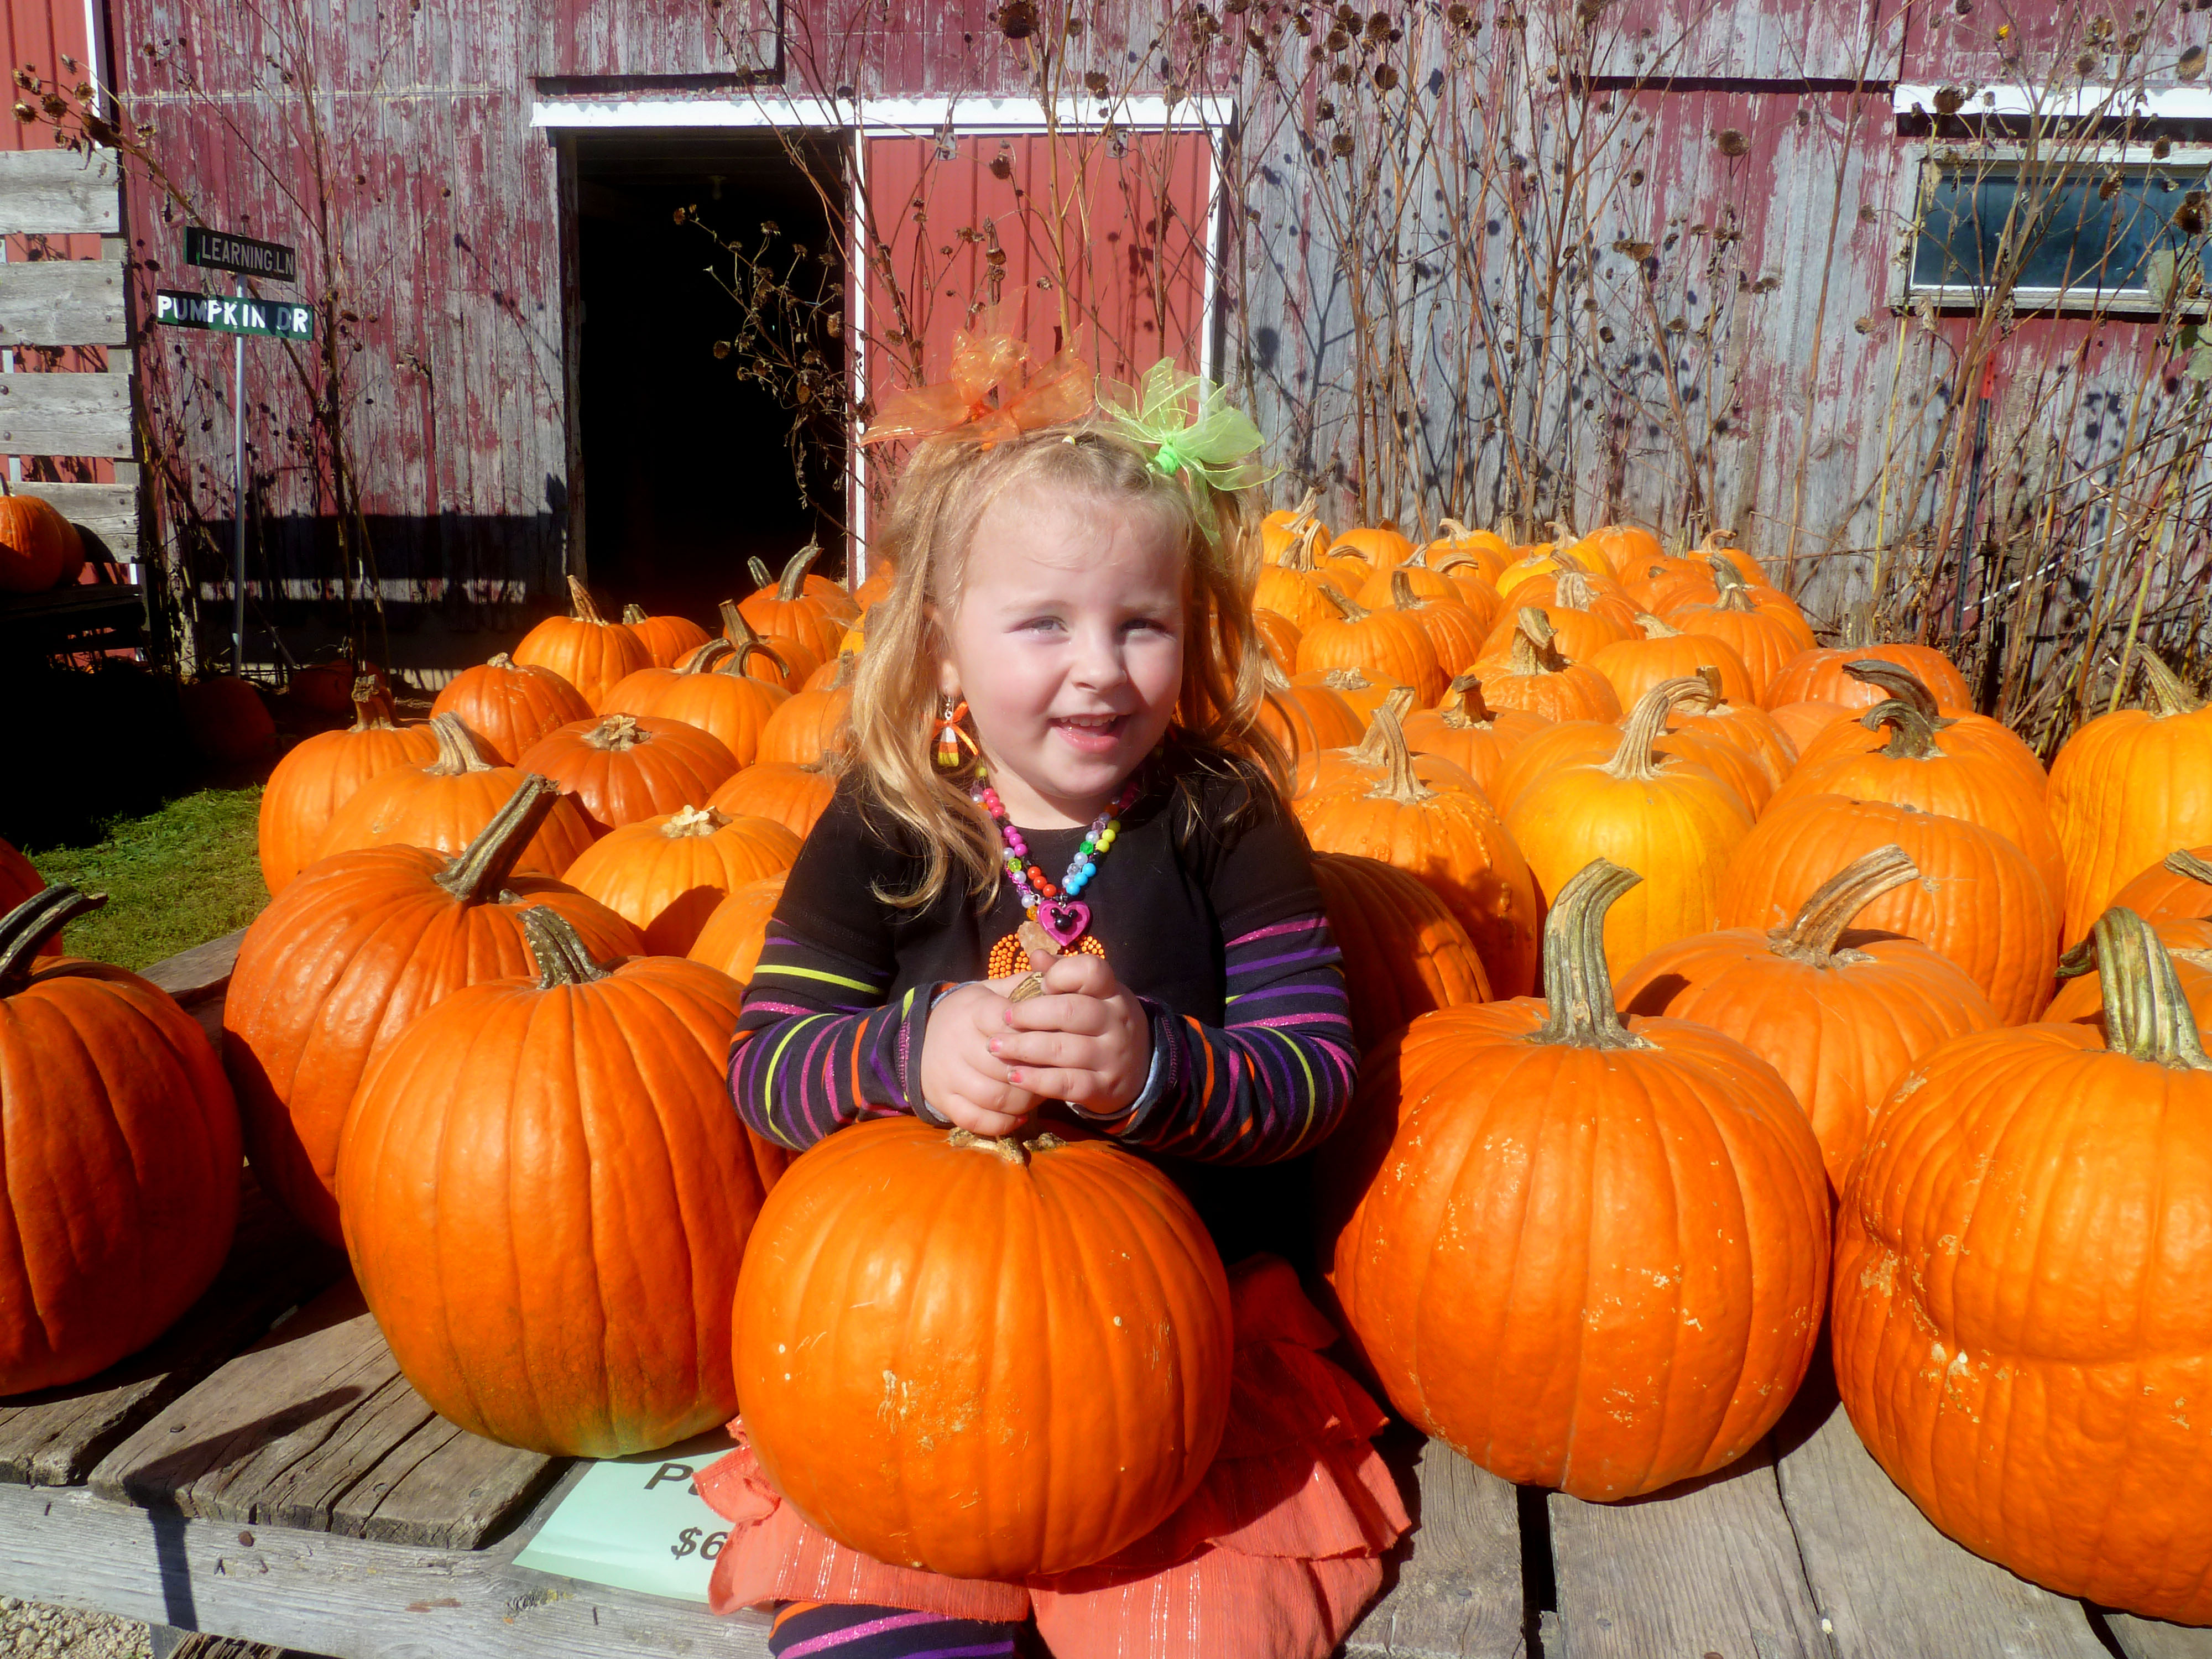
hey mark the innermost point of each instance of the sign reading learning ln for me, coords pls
(220, 251)
(232, 314)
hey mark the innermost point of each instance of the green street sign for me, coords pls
(229, 314)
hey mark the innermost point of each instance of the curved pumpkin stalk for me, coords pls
(25, 929)
(1655, 628)
(1912, 733)
(1901, 684)
(1636, 758)
(563, 958)
(1463, 706)
(2147, 1017)
(617, 734)
(1734, 590)
(372, 708)
(1533, 649)
(2168, 696)
(1399, 781)
(1579, 1009)
(458, 750)
(704, 660)
(479, 871)
(1814, 936)
(579, 600)
(747, 640)
(1372, 749)
(2185, 864)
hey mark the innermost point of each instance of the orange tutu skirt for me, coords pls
(1272, 1557)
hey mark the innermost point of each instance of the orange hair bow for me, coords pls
(1063, 390)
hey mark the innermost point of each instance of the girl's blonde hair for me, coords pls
(950, 482)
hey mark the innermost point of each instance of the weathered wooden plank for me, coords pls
(108, 511)
(314, 1428)
(1890, 1584)
(343, 1596)
(64, 414)
(1708, 1566)
(63, 302)
(202, 972)
(2147, 1639)
(54, 1438)
(1458, 1585)
(55, 193)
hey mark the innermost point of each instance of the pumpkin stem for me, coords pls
(794, 573)
(1458, 531)
(632, 615)
(1563, 536)
(1579, 1008)
(1647, 723)
(1399, 783)
(748, 641)
(1402, 597)
(371, 709)
(1912, 734)
(1900, 682)
(1345, 608)
(479, 871)
(1299, 555)
(1012, 1149)
(1575, 589)
(2167, 693)
(703, 660)
(1533, 652)
(1715, 539)
(25, 929)
(617, 733)
(500, 659)
(1371, 750)
(1734, 591)
(457, 752)
(695, 821)
(1463, 704)
(1654, 628)
(581, 597)
(1811, 938)
(2185, 864)
(2147, 1017)
(563, 958)
(1302, 514)
(758, 568)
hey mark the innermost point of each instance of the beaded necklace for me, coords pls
(1056, 908)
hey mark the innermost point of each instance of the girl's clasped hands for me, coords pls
(989, 1062)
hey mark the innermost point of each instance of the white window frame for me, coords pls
(1929, 159)
(860, 119)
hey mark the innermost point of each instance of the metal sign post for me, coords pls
(238, 315)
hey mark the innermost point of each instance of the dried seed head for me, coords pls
(1002, 167)
(1460, 18)
(1335, 40)
(1342, 75)
(2189, 219)
(1866, 213)
(1386, 77)
(2192, 64)
(1340, 145)
(1095, 84)
(1017, 19)
(1733, 143)
(1949, 101)
(2086, 64)
(25, 113)
(2161, 149)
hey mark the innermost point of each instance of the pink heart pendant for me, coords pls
(1064, 920)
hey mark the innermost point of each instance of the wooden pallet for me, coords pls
(286, 1487)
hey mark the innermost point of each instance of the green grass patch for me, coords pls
(181, 875)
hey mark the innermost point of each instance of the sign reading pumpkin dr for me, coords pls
(237, 315)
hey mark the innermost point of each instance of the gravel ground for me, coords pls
(28, 1631)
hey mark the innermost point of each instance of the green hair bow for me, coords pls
(1194, 432)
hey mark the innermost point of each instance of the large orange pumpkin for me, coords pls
(1762, 625)
(1823, 675)
(1678, 821)
(1802, 722)
(811, 724)
(1291, 586)
(1484, 551)
(2021, 1330)
(942, 1299)
(2127, 789)
(1388, 647)
(712, 692)
(1964, 733)
(1978, 901)
(1452, 840)
(812, 610)
(545, 1195)
(447, 804)
(30, 545)
(1585, 618)
(350, 954)
(1665, 652)
(1533, 675)
(322, 773)
(119, 1141)
(666, 638)
(629, 766)
(1840, 1014)
(1922, 764)
(2179, 885)
(1474, 737)
(1746, 726)
(508, 705)
(738, 928)
(1595, 1254)
(586, 650)
(1305, 720)
(1405, 953)
(664, 875)
(1382, 547)
(1455, 629)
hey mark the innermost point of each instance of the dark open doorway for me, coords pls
(687, 462)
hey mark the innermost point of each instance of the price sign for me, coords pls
(637, 1523)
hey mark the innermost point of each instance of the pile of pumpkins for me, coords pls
(1711, 985)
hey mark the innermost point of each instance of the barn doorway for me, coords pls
(688, 458)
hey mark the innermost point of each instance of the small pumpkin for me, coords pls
(1531, 674)
(1585, 619)
(1455, 629)
(586, 649)
(1593, 1255)
(795, 797)
(446, 804)
(666, 638)
(1405, 953)
(225, 718)
(507, 705)
(736, 928)
(1380, 547)
(1484, 551)
(812, 609)
(2020, 1265)
(355, 949)
(1384, 646)
(1747, 727)
(1305, 720)
(1466, 731)
(1764, 626)
(1368, 760)
(566, 1283)
(1840, 1015)
(323, 772)
(1664, 652)
(1291, 586)
(1620, 546)
(804, 728)
(711, 692)
(1681, 821)
(664, 875)
(1287, 527)
(875, 587)
(120, 1144)
(627, 767)
(1978, 901)
(1028, 1273)
(1450, 839)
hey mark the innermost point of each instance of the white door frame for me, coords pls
(863, 118)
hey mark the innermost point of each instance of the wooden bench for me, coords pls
(263, 1473)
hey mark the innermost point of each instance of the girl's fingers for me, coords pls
(1079, 973)
(1070, 1084)
(1079, 1012)
(1066, 1049)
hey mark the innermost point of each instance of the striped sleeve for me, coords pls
(1273, 1079)
(817, 1047)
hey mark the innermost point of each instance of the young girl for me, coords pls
(1054, 724)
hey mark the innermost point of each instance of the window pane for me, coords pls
(2071, 233)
